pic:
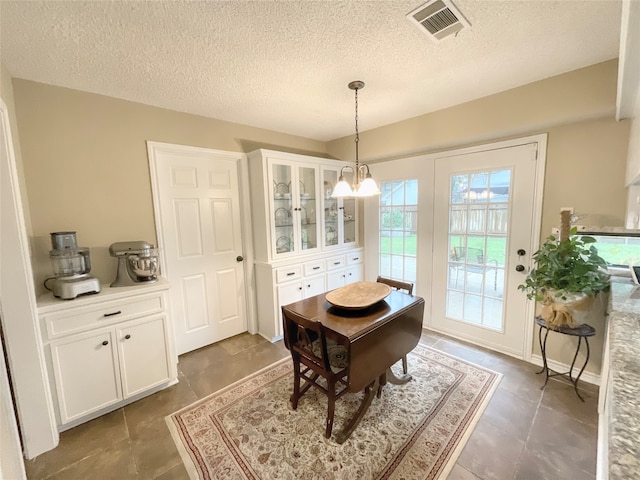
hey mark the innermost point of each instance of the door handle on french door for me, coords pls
(519, 268)
(239, 258)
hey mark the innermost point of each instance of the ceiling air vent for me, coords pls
(438, 19)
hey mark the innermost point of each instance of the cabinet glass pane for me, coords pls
(330, 218)
(308, 207)
(349, 218)
(282, 208)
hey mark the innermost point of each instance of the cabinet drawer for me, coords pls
(288, 273)
(354, 258)
(335, 262)
(79, 319)
(311, 268)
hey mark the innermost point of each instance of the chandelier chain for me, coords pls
(357, 133)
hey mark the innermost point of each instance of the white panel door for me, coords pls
(483, 229)
(200, 236)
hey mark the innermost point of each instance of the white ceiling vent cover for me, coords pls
(438, 19)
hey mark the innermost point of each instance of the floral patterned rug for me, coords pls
(414, 431)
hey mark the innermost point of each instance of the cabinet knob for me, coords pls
(299, 288)
(105, 343)
(519, 268)
(127, 336)
(239, 258)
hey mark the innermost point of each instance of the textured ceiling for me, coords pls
(285, 65)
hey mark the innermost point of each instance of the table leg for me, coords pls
(369, 392)
(575, 384)
(391, 378)
(543, 350)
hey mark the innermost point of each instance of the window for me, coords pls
(618, 249)
(399, 229)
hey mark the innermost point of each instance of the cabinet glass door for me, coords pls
(339, 221)
(308, 211)
(331, 209)
(349, 220)
(282, 208)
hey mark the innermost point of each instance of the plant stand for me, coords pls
(582, 331)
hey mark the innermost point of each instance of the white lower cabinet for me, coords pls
(85, 369)
(107, 350)
(284, 284)
(142, 352)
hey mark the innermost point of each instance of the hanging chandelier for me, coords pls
(363, 184)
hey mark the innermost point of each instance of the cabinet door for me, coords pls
(340, 216)
(86, 374)
(336, 279)
(354, 274)
(314, 286)
(281, 202)
(306, 213)
(143, 350)
(287, 293)
(331, 209)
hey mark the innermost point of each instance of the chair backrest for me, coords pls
(300, 335)
(398, 285)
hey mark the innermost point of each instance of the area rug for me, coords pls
(414, 431)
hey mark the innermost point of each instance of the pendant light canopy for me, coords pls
(363, 184)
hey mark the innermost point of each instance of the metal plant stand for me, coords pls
(581, 331)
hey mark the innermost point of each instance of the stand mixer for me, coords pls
(137, 263)
(71, 267)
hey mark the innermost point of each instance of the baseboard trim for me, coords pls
(586, 376)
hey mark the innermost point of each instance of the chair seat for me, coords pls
(338, 355)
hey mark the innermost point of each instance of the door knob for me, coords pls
(521, 252)
(239, 258)
(519, 268)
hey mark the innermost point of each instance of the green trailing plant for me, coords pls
(571, 266)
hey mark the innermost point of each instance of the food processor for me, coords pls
(137, 263)
(71, 267)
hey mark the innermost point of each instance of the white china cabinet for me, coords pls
(305, 242)
(106, 350)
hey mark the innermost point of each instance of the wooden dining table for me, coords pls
(376, 337)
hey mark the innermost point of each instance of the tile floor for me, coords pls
(525, 433)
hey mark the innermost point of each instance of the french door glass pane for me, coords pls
(398, 230)
(478, 225)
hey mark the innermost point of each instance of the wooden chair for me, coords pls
(315, 356)
(401, 286)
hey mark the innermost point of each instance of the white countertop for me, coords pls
(49, 303)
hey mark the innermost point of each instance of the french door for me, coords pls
(484, 204)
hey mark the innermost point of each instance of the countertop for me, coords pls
(624, 381)
(48, 303)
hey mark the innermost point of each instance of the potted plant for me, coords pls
(567, 276)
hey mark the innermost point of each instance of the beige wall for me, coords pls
(86, 165)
